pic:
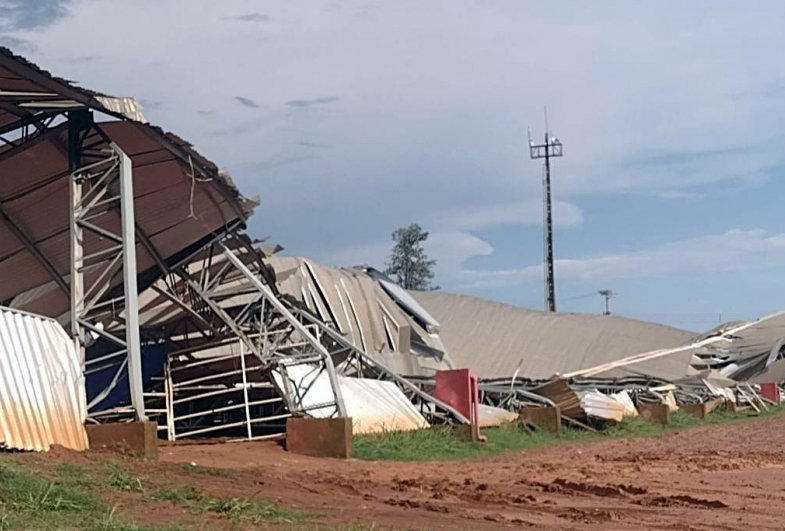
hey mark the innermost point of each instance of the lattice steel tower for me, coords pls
(551, 147)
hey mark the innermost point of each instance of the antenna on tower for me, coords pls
(551, 147)
(608, 294)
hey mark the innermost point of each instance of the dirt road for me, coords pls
(717, 477)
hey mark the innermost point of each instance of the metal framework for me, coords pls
(218, 289)
(551, 147)
(267, 359)
(101, 188)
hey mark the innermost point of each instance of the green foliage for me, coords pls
(206, 470)
(186, 496)
(245, 509)
(444, 444)
(408, 264)
(251, 510)
(28, 501)
(123, 480)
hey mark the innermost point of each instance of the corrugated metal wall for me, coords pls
(42, 393)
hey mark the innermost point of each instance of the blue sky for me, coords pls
(353, 118)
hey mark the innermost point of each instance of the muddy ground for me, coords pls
(715, 477)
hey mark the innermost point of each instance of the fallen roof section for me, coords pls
(369, 310)
(747, 349)
(501, 341)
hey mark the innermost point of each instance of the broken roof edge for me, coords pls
(568, 315)
(112, 106)
(653, 354)
(404, 299)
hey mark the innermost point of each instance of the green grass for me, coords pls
(122, 479)
(443, 444)
(185, 496)
(71, 501)
(206, 470)
(238, 509)
(28, 501)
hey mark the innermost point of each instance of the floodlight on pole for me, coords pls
(608, 294)
(551, 147)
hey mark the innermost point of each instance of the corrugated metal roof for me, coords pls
(747, 349)
(373, 405)
(174, 208)
(497, 340)
(42, 393)
(128, 107)
(374, 317)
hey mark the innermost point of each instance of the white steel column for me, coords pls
(304, 333)
(133, 343)
(77, 274)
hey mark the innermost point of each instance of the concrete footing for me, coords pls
(701, 410)
(547, 418)
(320, 437)
(696, 410)
(659, 413)
(138, 438)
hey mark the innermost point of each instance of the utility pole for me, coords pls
(550, 148)
(608, 294)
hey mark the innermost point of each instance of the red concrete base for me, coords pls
(320, 437)
(771, 392)
(138, 438)
(659, 413)
(547, 418)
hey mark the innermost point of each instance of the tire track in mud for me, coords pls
(729, 477)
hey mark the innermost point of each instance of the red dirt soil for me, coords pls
(716, 477)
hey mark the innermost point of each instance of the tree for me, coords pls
(408, 264)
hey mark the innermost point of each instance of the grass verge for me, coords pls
(442, 444)
(238, 509)
(68, 496)
(28, 501)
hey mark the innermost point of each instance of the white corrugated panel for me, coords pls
(128, 107)
(602, 406)
(42, 393)
(494, 416)
(377, 406)
(373, 405)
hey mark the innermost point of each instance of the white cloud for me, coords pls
(734, 250)
(437, 120)
(450, 249)
(526, 212)
(420, 125)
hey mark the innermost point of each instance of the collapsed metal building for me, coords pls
(128, 237)
(132, 241)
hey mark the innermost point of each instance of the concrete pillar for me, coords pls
(696, 410)
(320, 437)
(659, 413)
(702, 410)
(547, 418)
(138, 438)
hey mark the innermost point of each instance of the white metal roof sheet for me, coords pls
(42, 393)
